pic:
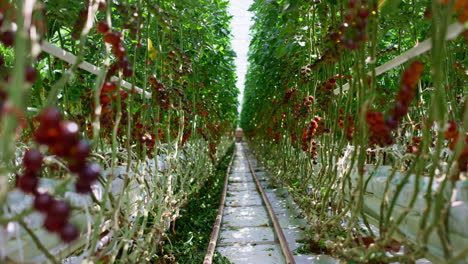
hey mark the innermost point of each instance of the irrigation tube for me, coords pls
(219, 217)
(276, 225)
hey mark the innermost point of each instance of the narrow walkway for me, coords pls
(247, 236)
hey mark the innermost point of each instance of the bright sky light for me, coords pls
(240, 24)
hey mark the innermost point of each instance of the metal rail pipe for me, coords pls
(276, 225)
(219, 217)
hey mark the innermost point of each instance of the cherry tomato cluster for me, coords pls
(179, 67)
(341, 119)
(160, 93)
(350, 128)
(293, 136)
(308, 134)
(330, 54)
(273, 132)
(308, 100)
(202, 133)
(352, 32)
(380, 128)
(131, 15)
(306, 73)
(452, 134)
(57, 214)
(144, 137)
(186, 136)
(181, 63)
(32, 162)
(406, 94)
(56, 211)
(461, 7)
(149, 140)
(350, 35)
(108, 96)
(277, 137)
(302, 110)
(118, 49)
(215, 128)
(63, 140)
(379, 132)
(325, 92)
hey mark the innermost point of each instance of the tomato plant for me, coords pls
(101, 103)
(364, 139)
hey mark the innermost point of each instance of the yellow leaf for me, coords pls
(381, 3)
(152, 50)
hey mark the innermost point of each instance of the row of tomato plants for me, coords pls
(321, 139)
(77, 145)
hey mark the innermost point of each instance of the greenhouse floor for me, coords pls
(247, 234)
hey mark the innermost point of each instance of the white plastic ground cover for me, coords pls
(458, 214)
(453, 31)
(70, 58)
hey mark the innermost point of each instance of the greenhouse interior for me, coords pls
(233, 131)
